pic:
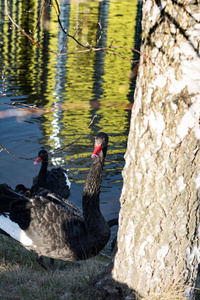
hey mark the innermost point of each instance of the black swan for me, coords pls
(57, 229)
(55, 180)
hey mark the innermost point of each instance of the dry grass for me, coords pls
(22, 278)
(173, 293)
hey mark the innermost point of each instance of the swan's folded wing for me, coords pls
(60, 201)
(48, 232)
(58, 182)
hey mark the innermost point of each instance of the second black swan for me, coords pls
(55, 180)
(54, 228)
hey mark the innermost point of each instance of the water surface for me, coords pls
(71, 88)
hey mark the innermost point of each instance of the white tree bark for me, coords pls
(158, 237)
(158, 241)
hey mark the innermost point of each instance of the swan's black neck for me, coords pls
(97, 228)
(42, 176)
(91, 191)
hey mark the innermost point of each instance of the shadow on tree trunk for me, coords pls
(104, 287)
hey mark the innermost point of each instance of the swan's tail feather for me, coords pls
(7, 197)
(8, 225)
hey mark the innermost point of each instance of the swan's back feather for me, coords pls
(56, 182)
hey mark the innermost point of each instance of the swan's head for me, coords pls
(101, 143)
(42, 156)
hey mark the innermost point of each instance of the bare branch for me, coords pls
(23, 32)
(28, 36)
(3, 83)
(2, 148)
(72, 143)
(41, 11)
(55, 151)
(98, 41)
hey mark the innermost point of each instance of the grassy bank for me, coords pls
(22, 278)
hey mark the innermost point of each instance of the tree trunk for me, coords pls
(158, 241)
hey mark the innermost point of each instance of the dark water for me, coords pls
(70, 88)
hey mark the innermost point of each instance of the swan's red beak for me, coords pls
(97, 149)
(37, 160)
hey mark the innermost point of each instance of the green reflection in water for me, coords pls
(75, 86)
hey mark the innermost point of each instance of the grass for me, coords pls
(172, 293)
(22, 278)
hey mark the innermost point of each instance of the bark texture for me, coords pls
(158, 242)
(158, 237)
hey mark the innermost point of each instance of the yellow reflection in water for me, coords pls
(79, 106)
(71, 84)
(121, 30)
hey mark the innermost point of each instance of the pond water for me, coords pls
(71, 89)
